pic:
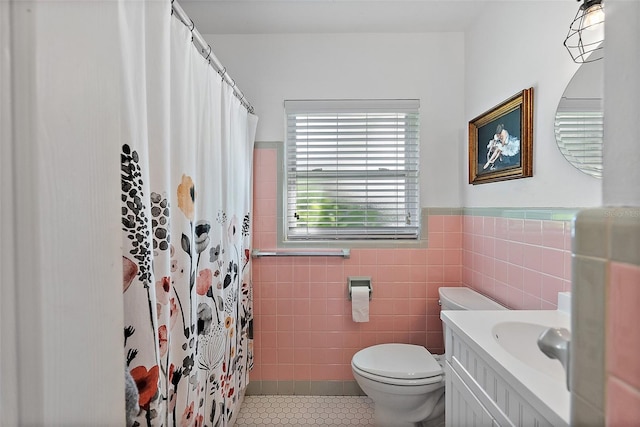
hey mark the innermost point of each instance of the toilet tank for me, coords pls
(462, 298)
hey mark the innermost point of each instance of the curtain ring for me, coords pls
(209, 54)
(223, 72)
(193, 25)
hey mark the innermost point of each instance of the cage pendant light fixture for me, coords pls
(585, 40)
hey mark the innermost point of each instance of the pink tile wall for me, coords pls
(521, 263)
(303, 328)
(623, 346)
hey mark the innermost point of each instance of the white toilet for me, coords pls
(405, 381)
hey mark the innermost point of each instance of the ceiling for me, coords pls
(333, 16)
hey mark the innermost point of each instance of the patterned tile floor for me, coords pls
(302, 411)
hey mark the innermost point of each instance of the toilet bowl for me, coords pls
(405, 381)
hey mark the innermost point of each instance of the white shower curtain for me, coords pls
(186, 217)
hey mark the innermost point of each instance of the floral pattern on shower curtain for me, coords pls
(186, 221)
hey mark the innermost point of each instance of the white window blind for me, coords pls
(352, 170)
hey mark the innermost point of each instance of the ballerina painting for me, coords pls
(502, 145)
(501, 141)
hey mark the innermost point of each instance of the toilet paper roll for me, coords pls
(360, 303)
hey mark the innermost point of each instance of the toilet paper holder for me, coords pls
(359, 281)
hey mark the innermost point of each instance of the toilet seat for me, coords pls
(401, 364)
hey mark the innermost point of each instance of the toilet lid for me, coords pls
(404, 361)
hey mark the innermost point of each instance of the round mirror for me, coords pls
(579, 119)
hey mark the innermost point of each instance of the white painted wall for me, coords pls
(498, 66)
(274, 67)
(621, 184)
(512, 47)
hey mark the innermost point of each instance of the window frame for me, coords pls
(388, 233)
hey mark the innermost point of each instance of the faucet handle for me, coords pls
(555, 343)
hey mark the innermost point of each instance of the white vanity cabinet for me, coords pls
(480, 391)
(462, 407)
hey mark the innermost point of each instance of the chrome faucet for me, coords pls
(555, 343)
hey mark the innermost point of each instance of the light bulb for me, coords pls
(592, 28)
(594, 15)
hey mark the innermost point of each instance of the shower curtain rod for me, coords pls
(206, 52)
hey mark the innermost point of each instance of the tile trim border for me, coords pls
(549, 214)
(304, 388)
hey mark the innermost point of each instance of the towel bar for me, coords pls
(257, 253)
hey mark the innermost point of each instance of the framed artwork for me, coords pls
(501, 141)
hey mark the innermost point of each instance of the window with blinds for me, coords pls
(352, 170)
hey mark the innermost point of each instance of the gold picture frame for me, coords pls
(501, 141)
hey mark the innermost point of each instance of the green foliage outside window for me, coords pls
(325, 211)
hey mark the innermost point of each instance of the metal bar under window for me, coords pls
(345, 253)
